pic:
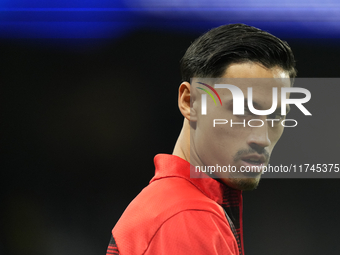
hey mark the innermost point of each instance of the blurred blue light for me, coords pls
(108, 19)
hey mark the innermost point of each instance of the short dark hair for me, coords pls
(210, 54)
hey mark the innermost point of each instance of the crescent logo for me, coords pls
(213, 90)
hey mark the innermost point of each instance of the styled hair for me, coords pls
(210, 54)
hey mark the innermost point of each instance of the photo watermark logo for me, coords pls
(237, 127)
(239, 104)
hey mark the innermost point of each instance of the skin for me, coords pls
(201, 144)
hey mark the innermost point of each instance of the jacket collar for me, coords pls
(174, 166)
(230, 199)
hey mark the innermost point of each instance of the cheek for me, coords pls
(275, 134)
(214, 144)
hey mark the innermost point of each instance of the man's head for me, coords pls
(238, 53)
(210, 54)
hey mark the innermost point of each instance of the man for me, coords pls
(182, 214)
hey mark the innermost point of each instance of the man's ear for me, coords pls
(184, 104)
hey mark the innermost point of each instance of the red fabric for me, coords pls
(176, 214)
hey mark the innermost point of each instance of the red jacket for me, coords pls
(176, 214)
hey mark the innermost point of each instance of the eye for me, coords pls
(247, 111)
(276, 116)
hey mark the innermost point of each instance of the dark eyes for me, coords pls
(276, 116)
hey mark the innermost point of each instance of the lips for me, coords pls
(254, 159)
(253, 164)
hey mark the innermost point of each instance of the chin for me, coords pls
(242, 183)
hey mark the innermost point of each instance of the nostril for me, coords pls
(258, 148)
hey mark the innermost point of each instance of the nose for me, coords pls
(258, 138)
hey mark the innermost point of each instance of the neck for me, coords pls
(182, 147)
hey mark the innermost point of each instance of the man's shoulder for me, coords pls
(171, 195)
(158, 202)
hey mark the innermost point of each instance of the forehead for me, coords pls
(253, 70)
(254, 75)
(247, 75)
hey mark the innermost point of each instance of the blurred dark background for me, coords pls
(89, 97)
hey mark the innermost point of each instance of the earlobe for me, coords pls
(185, 101)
